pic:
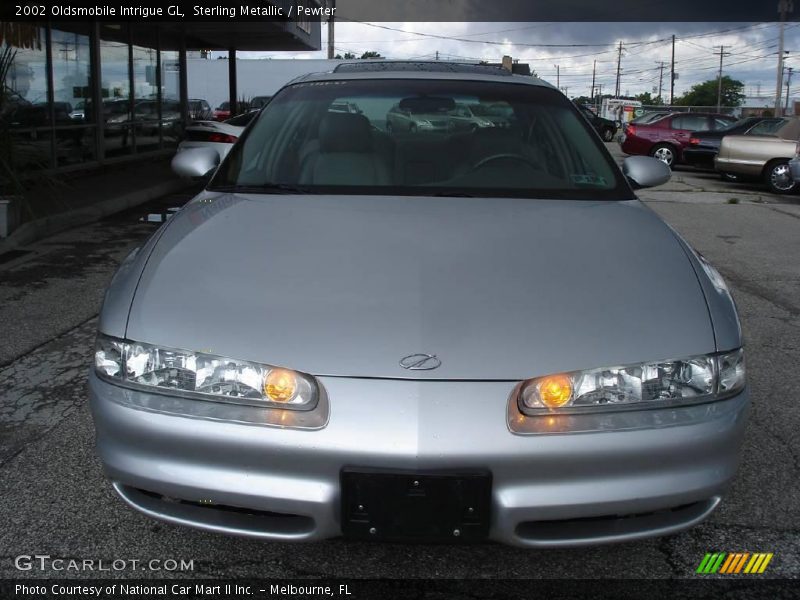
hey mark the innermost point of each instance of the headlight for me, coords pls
(203, 376)
(645, 385)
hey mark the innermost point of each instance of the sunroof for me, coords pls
(434, 67)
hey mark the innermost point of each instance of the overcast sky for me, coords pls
(752, 46)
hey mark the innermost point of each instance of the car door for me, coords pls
(682, 126)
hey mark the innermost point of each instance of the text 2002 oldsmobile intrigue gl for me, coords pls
(427, 334)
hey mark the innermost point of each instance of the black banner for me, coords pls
(397, 11)
(744, 587)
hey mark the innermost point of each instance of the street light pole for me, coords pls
(719, 77)
(788, 84)
(672, 75)
(784, 7)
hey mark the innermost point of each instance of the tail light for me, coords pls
(631, 130)
(195, 135)
(222, 138)
(694, 141)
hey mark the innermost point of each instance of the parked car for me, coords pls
(222, 112)
(794, 168)
(219, 136)
(471, 117)
(704, 145)
(200, 110)
(650, 116)
(666, 137)
(444, 337)
(401, 118)
(764, 157)
(345, 107)
(605, 128)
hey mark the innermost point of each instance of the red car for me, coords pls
(665, 138)
(222, 112)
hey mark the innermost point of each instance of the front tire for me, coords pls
(778, 178)
(665, 153)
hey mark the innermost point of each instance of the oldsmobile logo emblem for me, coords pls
(420, 362)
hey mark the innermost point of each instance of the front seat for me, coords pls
(346, 154)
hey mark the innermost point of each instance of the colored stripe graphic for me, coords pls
(734, 562)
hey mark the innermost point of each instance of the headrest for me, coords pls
(345, 132)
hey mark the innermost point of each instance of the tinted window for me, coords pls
(543, 149)
(719, 123)
(767, 127)
(691, 122)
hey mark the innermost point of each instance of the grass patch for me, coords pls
(733, 201)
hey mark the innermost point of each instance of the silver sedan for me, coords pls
(457, 336)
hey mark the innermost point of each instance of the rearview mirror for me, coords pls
(195, 162)
(645, 171)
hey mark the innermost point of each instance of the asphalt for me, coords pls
(54, 499)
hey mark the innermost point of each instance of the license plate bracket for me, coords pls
(426, 506)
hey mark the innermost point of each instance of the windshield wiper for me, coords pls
(263, 188)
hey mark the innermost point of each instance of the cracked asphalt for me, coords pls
(54, 499)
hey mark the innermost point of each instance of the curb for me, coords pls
(47, 226)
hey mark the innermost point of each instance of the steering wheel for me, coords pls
(518, 157)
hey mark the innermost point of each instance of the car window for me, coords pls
(766, 127)
(690, 122)
(718, 123)
(537, 146)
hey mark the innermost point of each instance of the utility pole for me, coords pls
(719, 77)
(660, 79)
(672, 74)
(437, 55)
(558, 77)
(784, 6)
(594, 67)
(788, 83)
(331, 4)
(619, 67)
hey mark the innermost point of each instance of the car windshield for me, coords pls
(242, 120)
(407, 142)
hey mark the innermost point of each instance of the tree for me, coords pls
(647, 99)
(705, 94)
(371, 54)
(347, 56)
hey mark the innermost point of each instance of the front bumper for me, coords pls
(646, 476)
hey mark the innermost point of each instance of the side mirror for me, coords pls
(195, 162)
(645, 171)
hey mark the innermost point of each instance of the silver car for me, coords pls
(457, 337)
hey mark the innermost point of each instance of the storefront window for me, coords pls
(115, 90)
(145, 113)
(172, 123)
(75, 139)
(26, 109)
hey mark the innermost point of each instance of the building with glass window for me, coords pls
(90, 93)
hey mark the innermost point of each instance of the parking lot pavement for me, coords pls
(55, 500)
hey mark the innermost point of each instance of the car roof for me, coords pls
(438, 70)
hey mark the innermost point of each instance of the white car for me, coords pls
(221, 136)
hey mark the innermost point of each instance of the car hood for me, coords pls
(497, 289)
